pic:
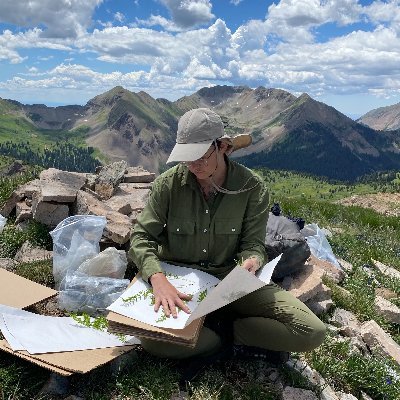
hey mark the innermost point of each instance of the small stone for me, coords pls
(389, 310)
(292, 393)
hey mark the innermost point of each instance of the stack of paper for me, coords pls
(133, 312)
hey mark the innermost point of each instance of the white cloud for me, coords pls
(185, 14)
(118, 16)
(62, 18)
(235, 2)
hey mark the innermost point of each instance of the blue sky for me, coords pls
(345, 53)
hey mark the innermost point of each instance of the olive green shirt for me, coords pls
(179, 226)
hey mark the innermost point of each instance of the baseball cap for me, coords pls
(197, 130)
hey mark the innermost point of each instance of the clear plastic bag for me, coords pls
(90, 294)
(110, 263)
(318, 244)
(3, 221)
(75, 240)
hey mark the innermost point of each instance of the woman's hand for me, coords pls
(166, 295)
(252, 264)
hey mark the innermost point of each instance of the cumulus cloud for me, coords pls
(185, 14)
(62, 18)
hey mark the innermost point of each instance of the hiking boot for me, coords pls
(270, 356)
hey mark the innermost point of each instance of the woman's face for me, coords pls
(208, 164)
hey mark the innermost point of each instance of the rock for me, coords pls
(379, 341)
(364, 396)
(307, 283)
(389, 310)
(385, 293)
(127, 203)
(131, 187)
(138, 175)
(347, 396)
(345, 265)
(292, 393)
(108, 179)
(8, 264)
(346, 321)
(58, 192)
(28, 253)
(50, 214)
(321, 302)
(23, 212)
(357, 344)
(118, 226)
(333, 272)
(314, 378)
(74, 180)
(385, 270)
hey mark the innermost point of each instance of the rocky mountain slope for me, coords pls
(383, 118)
(289, 132)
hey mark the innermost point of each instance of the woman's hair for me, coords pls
(230, 147)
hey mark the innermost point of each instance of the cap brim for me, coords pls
(188, 151)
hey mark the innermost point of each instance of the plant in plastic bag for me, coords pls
(75, 240)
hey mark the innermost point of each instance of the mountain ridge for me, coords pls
(141, 130)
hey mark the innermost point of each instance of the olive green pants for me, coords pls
(270, 318)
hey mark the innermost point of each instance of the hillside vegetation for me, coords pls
(359, 235)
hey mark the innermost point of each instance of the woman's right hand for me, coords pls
(167, 296)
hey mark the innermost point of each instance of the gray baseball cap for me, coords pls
(197, 130)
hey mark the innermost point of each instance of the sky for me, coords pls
(345, 53)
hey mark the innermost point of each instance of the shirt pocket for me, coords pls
(180, 226)
(227, 235)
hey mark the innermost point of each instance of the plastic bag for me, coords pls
(110, 263)
(3, 221)
(75, 240)
(90, 294)
(318, 244)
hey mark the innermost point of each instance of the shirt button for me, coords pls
(177, 229)
(205, 231)
(206, 211)
(204, 251)
(233, 230)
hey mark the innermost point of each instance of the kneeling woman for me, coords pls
(210, 213)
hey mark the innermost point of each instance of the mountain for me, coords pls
(289, 132)
(383, 118)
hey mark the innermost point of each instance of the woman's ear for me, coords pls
(223, 146)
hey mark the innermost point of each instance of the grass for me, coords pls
(360, 235)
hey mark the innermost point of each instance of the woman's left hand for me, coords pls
(252, 264)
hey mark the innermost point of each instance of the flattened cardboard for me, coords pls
(188, 336)
(128, 326)
(19, 292)
(67, 363)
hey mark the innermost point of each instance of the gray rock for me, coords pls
(292, 393)
(127, 203)
(379, 341)
(138, 175)
(108, 179)
(8, 264)
(386, 270)
(23, 212)
(345, 265)
(346, 321)
(74, 180)
(58, 192)
(386, 308)
(50, 214)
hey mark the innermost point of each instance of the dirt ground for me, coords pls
(384, 203)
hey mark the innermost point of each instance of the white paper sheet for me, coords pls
(209, 294)
(42, 334)
(12, 341)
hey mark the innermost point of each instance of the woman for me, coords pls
(210, 213)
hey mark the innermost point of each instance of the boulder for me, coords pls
(379, 341)
(75, 180)
(386, 308)
(127, 203)
(23, 212)
(138, 175)
(292, 393)
(108, 179)
(386, 270)
(346, 321)
(333, 272)
(58, 192)
(50, 214)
